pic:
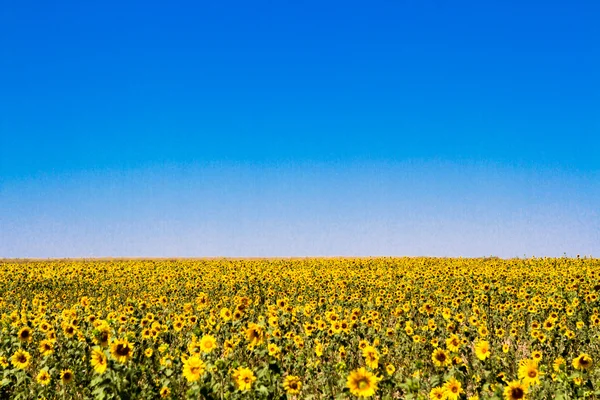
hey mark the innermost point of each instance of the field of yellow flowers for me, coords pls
(385, 328)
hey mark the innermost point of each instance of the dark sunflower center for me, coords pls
(122, 350)
(532, 374)
(22, 359)
(517, 393)
(441, 357)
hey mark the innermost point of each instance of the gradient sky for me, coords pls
(278, 128)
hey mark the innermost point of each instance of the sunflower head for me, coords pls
(515, 391)
(362, 383)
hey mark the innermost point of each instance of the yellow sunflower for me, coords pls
(437, 393)
(98, 360)
(582, 362)
(292, 384)
(121, 350)
(193, 368)
(371, 356)
(529, 372)
(208, 343)
(24, 334)
(515, 391)
(165, 392)
(66, 376)
(244, 378)
(43, 378)
(46, 347)
(362, 383)
(453, 389)
(482, 349)
(441, 358)
(21, 359)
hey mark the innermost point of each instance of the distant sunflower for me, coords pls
(453, 343)
(390, 369)
(371, 356)
(558, 363)
(441, 358)
(46, 347)
(482, 349)
(453, 389)
(165, 392)
(24, 334)
(193, 368)
(515, 391)
(583, 361)
(244, 378)
(255, 334)
(362, 383)
(208, 343)
(66, 376)
(437, 393)
(292, 384)
(69, 330)
(529, 372)
(98, 360)
(121, 350)
(21, 359)
(43, 378)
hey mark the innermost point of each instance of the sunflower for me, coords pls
(529, 372)
(274, 350)
(66, 376)
(46, 347)
(208, 343)
(371, 356)
(558, 363)
(121, 350)
(482, 349)
(193, 368)
(24, 334)
(43, 378)
(437, 393)
(390, 369)
(441, 358)
(362, 383)
(515, 391)
(583, 361)
(98, 360)
(165, 392)
(102, 334)
(225, 314)
(453, 343)
(21, 359)
(453, 389)
(69, 330)
(255, 334)
(292, 384)
(244, 378)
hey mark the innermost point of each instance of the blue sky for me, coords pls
(299, 128)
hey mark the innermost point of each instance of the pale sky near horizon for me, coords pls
(397, 128)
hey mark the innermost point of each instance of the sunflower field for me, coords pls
(319, 328)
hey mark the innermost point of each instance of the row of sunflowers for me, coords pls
(335, 328)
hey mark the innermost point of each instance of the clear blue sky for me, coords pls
(230, 128)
